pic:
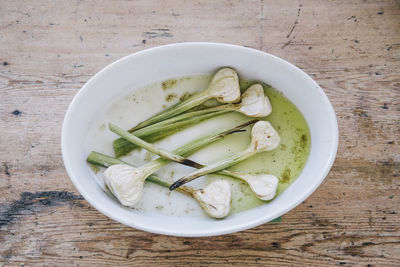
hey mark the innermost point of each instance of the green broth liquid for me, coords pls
(286, 162)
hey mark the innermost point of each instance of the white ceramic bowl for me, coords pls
(185, 59)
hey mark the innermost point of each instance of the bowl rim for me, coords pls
(210, 232)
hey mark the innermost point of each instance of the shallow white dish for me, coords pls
(185, 59)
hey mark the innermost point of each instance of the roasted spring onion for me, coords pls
(216, 207)
(263, 138)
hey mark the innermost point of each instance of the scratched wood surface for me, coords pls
(49, 49)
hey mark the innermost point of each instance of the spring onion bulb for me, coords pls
(135, 177)
(253, 104)
(263, 138)
(263, 185)
(127, 190)
(224, 87)
(159, 151)
(162, 129)
(215, 198)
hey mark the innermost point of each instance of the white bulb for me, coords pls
(263, 185)
(224, 86)
(215, 198)
(263, 137)
(255, 103)
(125, 182)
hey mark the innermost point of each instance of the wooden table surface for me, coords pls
(49, 49)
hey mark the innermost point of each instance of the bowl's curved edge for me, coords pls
(209, 232)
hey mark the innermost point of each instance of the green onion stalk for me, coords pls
(131, 184)
(253, 104)
(214, 208)
(264, 138)
(163, 129)
(224, 87)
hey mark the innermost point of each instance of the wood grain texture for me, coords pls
(49, 49)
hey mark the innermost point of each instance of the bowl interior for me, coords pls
(185, 59)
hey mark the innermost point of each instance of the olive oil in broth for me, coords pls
(286, 162)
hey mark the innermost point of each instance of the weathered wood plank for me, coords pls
(49, 49)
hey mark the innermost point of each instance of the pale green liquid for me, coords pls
(287, 161)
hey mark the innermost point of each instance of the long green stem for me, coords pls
(165, 128)
(187, 149)
(174, 156)
(189, 103)
(185, 116)
(215, 167)
(107, 161)
(233, 174)
(150, 147)
(167, 156)
(263, 138)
